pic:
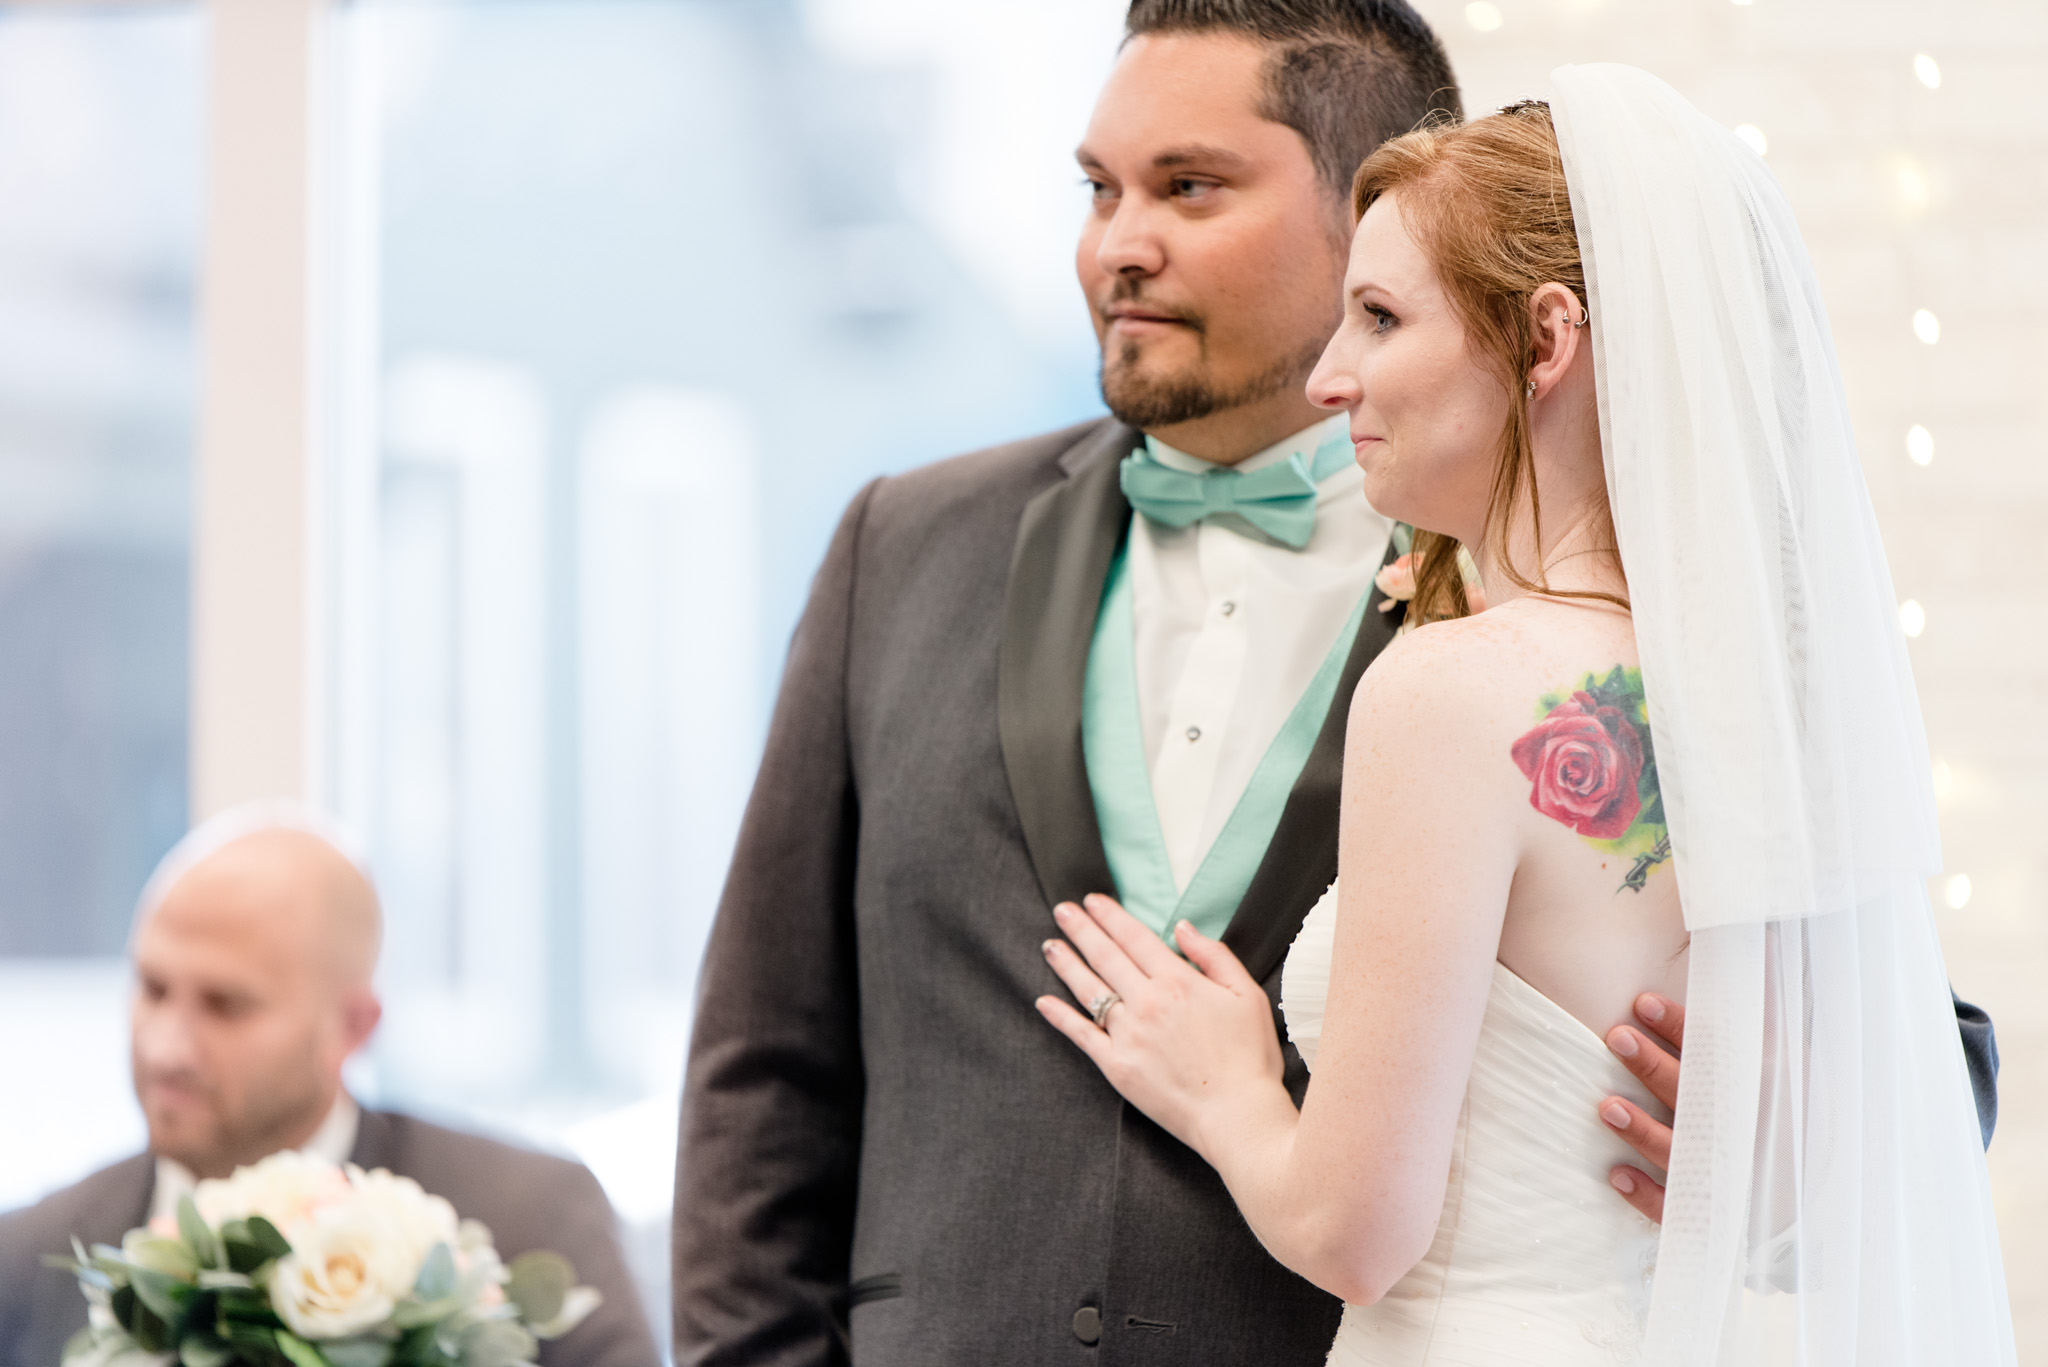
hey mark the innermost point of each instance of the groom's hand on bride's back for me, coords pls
(1651, 1053)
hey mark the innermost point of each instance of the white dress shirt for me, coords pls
(1230, 629)
(334, 1141)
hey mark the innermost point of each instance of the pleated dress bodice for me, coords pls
(1537, 1261)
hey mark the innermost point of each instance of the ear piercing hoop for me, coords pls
(1585, 316)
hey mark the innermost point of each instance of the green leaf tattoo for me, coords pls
(1591, 766)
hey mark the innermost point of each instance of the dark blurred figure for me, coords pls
(254, 948)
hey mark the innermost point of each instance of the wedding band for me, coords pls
(1099, 1008)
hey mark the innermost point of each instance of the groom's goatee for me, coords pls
(1147, 401)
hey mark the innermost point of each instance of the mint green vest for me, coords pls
(1113, 744)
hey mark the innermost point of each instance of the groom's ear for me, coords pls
(1557, 325)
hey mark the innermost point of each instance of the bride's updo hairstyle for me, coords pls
(1486, 202)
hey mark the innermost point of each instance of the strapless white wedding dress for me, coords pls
(1537, 1261)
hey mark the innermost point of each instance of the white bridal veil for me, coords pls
(1828, 1201)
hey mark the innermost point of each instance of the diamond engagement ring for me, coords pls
(1099, 1008)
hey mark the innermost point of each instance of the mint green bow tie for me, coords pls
(1279, 500)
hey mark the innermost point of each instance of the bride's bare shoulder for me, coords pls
(1475, 682)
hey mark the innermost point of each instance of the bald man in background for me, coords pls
(254, 949)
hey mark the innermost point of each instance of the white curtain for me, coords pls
(1828, 1202)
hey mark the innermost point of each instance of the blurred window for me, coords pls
(99, 173)
(99, 204)
(649, 296)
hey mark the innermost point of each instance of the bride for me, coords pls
(1681, 747)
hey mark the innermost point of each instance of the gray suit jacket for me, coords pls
(529, 1200)
(886, 1155)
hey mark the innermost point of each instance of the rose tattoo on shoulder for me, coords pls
(1591, 766)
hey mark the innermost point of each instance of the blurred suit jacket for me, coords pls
(529, 1200)
(887, 1156)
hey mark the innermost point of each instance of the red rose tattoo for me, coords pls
(1585, 760)
(1590, 765)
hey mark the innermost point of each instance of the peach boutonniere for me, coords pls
(1396, 580)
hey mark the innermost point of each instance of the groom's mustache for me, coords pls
(1128, 300)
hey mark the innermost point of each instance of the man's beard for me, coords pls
(1147, 402)
(277, 1115)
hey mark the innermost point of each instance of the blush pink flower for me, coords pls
(1397, 581)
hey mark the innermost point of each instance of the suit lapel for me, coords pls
(1301, 861)
(376, 1143)
(1065, 541)
(131, 1191)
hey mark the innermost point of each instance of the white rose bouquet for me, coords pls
(296, 1262)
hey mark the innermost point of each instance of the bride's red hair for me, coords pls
(1486, 201)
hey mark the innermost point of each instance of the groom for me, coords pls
(1115, 657)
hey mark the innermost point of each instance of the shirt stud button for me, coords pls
(1194, 733)
(1229, 606)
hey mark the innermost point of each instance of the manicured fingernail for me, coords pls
(1095, 901)
(1623, 1042)
(1649, 1008)
(1185, 927)
(1623, 1183)
(1047, 947)
(1064, 910)
(1615, 1114)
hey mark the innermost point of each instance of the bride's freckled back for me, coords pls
(1558, 726)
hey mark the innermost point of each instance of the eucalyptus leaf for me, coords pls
(358, 1352)
(148, 1329)
(437, 1275)
(497, 1343)
(239, 1248)
(239, 1309)
(416, 1348)
(540, 1283)
(298, 1351)
(249, 1334)
(249, 1307)
(165, 1295)
(198, 1235)
(264, 1237)
(411, 1314)
(85, 1271)
(576, 1307)
(167, 1256)
(203, 1350)
(243, 1258)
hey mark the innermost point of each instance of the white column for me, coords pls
(253, 683)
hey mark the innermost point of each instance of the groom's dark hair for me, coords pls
(1345, 74)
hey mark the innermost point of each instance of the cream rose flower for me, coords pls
(417, 1219)
(355, 1260)
(345, 1274)
(289, 1189)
